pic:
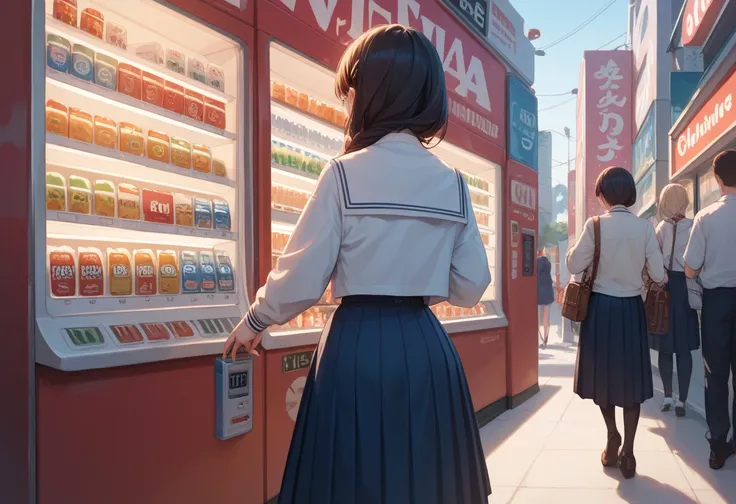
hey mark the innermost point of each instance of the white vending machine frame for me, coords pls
(210, 316)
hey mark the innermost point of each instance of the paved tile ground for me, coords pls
(548, 450)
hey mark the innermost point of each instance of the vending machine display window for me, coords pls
(307, 130)
(144, 177)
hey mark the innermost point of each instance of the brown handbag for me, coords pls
(576, 297)
(657, 302)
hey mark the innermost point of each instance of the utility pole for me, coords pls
(568, 327)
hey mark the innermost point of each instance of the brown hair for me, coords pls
(724, 165)
(399, 85)
(616, 186)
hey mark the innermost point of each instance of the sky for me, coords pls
(557, 71)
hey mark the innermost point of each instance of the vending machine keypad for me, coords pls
(156, 332)
(180, 329)
(127, 333)
(85, 336)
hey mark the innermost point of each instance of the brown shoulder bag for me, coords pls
(576, 297)
(657, 303)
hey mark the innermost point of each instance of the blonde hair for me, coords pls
(673, 201)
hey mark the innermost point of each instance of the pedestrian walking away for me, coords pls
(386, 415)
(684, 335)
(613, 367)
(545, 294)
(709, 256)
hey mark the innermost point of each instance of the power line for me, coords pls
(580, 27)
(558, 104)
(554, 94)
(612, 41)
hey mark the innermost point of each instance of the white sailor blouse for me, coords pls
(390, 219)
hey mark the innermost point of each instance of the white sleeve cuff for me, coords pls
(253, 322)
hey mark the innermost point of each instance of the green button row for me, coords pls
(81, 336)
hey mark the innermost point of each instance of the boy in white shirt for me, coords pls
(709, 255)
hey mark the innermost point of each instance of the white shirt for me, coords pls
(712, 244)
(664, 236)
(628, 245)
(390, 219)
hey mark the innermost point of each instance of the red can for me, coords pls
(194, 105)
(158, 206)
(92, 22)
(214, 113)
(174, 97)
(129, 80)
(153, 89)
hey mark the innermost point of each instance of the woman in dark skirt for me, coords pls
(545, 293)
(613, 367)
(684, 335)
(386, 415)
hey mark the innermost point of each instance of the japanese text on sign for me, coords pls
(473, 12)
(609, 108)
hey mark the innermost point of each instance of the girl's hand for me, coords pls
(243, 337)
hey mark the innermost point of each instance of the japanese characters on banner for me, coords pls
(475, 79)
(608, 118)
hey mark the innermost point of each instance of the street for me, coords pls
(548, 449)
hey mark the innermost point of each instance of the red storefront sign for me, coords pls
(716, 117)
(475, 79)
(699, 18)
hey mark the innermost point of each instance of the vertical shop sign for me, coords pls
(608, 111)
(644, 148)
(523, 130)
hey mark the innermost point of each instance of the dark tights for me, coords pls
(631, 422)
(684, 372)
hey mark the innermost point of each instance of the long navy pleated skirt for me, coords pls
(386, 415)
(684, 335)
(613, 366)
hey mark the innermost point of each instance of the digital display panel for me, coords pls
(238, 384)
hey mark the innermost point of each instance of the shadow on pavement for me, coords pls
(643, 489)
(686, 438)
(505, 425)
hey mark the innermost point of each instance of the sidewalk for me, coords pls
(548, 450)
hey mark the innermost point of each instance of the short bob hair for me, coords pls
(673, 201)
(616, 186)
(399, 85)
(724, 165)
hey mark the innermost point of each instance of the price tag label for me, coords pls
(67, 217)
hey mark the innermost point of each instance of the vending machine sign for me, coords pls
(475, 78)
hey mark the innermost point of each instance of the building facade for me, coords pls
(702, 56)
(547, 214)
(650, 26)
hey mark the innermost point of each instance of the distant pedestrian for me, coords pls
(545, 294)
(684, 334)
(710, 255)
(613, 366)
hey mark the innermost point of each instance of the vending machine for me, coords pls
(143, 250)
(301, 127)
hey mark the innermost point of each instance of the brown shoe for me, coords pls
(627, 464)
(609, 457)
